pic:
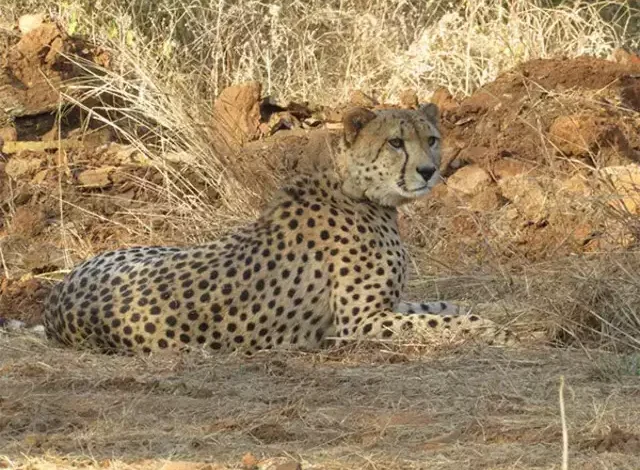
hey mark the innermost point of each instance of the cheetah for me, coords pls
(323, 264)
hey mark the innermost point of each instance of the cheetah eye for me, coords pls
(432, 140)
(396, 143)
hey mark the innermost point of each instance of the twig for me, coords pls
(565, 433)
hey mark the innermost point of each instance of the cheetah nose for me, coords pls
(426, 172)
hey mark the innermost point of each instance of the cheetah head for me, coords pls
(391, 156)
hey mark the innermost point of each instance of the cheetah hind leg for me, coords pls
(434, 308)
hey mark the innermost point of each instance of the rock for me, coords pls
(18, 167)
(486, 200)
(469, 180)
(40, 177)
(8, 134)
(96, 178)
(505, 168)
(582, 133)
(443, 100)
(98, 138)
(409, 99)
(51, 135)
(249, 461)
(575, 186)
(624, 181)
(27, 221)
(624, 57)
(475, 154)
(575, 134)
(359, 98)
(237, 113)
(27, 23)
(180, 157)
(527, 196)
(120, 154)
(30, 81)
(281, 121)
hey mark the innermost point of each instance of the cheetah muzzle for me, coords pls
(323, 263)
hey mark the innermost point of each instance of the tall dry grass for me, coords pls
(318, 50)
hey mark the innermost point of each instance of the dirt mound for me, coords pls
(33, 69)
(526, 112)
(530, 158)
(22, 300)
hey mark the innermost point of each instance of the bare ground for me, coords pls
(370, 406)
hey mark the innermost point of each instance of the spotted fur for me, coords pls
(323, 262)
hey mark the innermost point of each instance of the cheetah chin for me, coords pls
(324, 263)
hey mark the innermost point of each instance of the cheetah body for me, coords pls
(323, 262)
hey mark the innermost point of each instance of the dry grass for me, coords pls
(320, 51)
(368, 407)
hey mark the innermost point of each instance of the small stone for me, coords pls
(359, 98)
(27, 23)
(8, 134)
(249, 461)
(575, 186)
(527, 196)
(486, 200)
(505, 168)
(469, 180)
(409, 99)
(18, 167)
(40, 177)
(180, 157)
(51, 135)
(96, 178)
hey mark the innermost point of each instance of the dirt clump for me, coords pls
(512, 116)
(23, 300)
(33, 72)
(615, 440)
(236, 113)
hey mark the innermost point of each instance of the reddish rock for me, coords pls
(409, 99)
(581, 133)
(237, 113)
(359, 98)
(443, 100)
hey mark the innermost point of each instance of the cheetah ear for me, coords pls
(354, 120)
(430, 111)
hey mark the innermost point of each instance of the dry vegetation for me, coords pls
(376, 406)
